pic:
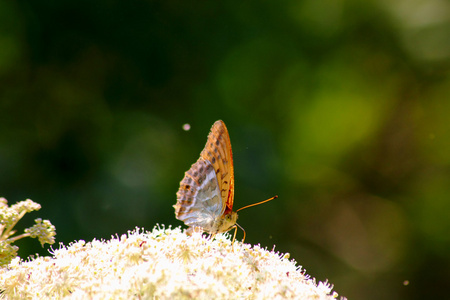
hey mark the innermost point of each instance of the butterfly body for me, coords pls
(206, 194)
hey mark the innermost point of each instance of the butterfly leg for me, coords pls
(234, 235)
(235, 231)
(236, 226)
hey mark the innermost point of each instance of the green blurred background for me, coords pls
(339, 107)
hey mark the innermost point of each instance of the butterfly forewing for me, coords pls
(218, 151)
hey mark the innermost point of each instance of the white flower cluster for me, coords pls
(162, 264)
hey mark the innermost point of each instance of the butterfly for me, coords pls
(206, 194)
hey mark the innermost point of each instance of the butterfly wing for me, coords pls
(218, 152)
(198, 200)
(206, 192)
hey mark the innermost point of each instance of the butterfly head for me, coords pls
(226, 222)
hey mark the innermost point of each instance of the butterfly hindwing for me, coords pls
(199, 202)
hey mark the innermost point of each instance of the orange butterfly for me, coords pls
(206, 194)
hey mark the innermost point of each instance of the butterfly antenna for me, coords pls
(254, 204)
(237, 225)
